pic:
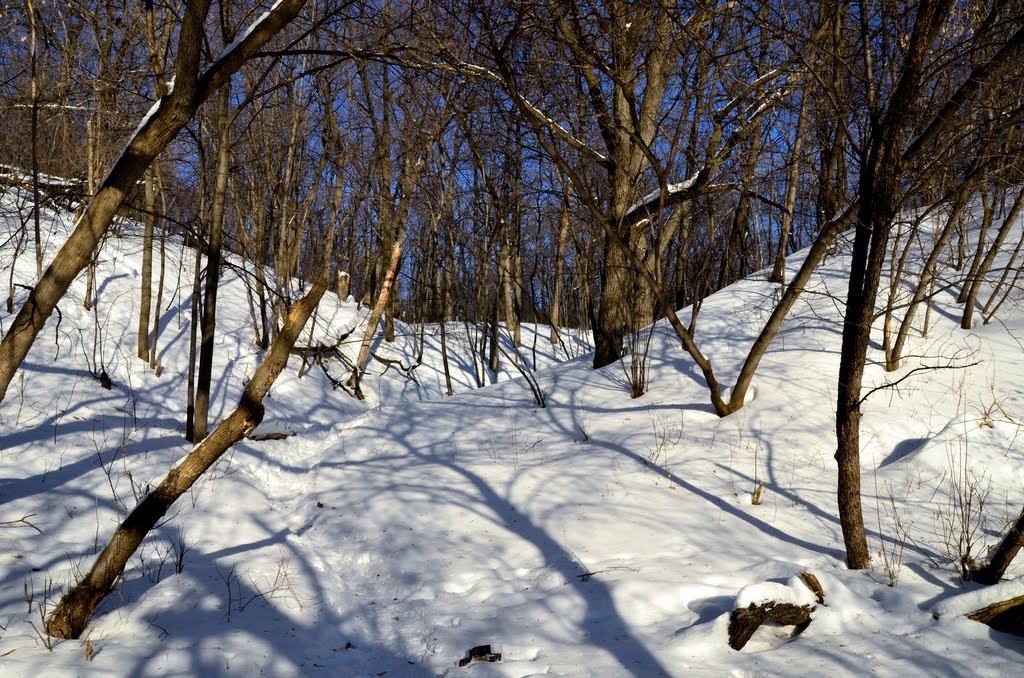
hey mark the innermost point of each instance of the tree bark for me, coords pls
(876, 207)
(564, 221)
(744, 622)
(34, 93)
(988, 212)
(213, 258)
(1003, 554)
(156, 61)
(375, 315)
(894, 348)
(778, 274)
(146, 284)
(172, 113)
(967, 321)
(71, 614)
(154, 338)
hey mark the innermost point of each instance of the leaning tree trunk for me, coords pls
(170, 114)
(988, 212)
(1003, 554)
(926, 282)
(69, 618)
(375, 315)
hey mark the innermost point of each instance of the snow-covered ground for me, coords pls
(597, 536)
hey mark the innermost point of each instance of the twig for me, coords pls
(23, 519)
(923, 368)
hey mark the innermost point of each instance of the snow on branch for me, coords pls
(686, 190)
(247, 32)
(247, 44)
(240, 50)
(673, 193)
(753, 86)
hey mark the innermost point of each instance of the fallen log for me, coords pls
(744, 622)
(1000, 606)
(789, 604)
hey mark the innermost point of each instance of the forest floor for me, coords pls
(598, 535)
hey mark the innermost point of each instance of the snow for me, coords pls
(148, 116)
(14, 174)
(980, 598)
(601, 535)
(242, 35)
(655, 195)
(793, 592)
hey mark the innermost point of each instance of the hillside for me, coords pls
(600, 535)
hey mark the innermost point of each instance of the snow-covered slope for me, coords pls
(600, 535)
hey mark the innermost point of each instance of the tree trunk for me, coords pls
(213, 257)
(494, 335)
(375, 315)
(564, 222)
(156, 61)
(880, 184)
(1003, 554)
(444, 358)
(155, 336)
(508, 280)
(612, 313)
(979, 275)
(69, 618)
(778, 274)
(1001, 290)
(894, 351)
(988, 210)
(194, 324)
(869, 247)
(172, 113)
(736, 261)
(34, 93)
(146, 284)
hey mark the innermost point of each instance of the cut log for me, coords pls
(811, 582)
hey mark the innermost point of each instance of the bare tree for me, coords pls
(70, 616)
(156, 44)
(889, 153)
(168, 116)
(974, 286)
(204, 375)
